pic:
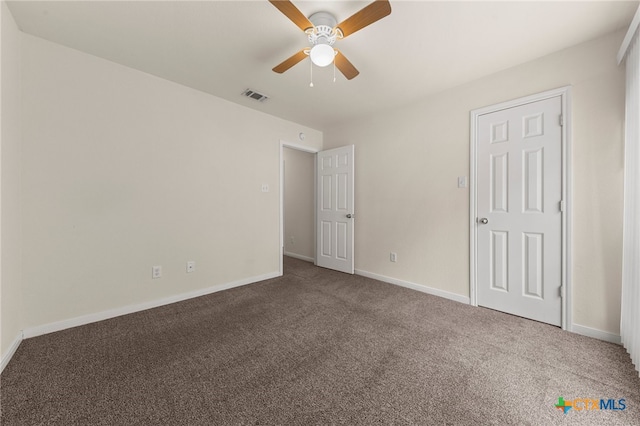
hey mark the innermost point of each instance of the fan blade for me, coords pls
(290, 11)
(288, 63)
(345, 67)
(366, 16)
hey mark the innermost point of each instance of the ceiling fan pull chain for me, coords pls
(334, 71)
(311, 74)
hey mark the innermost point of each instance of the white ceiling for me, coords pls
(224, 47)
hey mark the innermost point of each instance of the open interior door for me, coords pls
(335, 213)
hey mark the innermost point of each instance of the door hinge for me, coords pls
(561, 288)
(561, 205)
(561, 119)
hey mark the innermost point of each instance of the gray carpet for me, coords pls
(315, 347)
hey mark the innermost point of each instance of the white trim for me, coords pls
(419, 287)
(473, 129)
(633, 27)
(302, 148)
(596, 334)
(13, 347)
(112, 313)
(299, 256)
(567, 216)
(567, 194)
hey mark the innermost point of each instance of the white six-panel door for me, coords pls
(334, 239)
(519, 219)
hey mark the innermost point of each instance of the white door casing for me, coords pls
(519, 204)
(335, 209)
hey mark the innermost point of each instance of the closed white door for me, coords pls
(335, 209)
(519, 219)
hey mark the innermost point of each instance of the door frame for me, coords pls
(310, 150)
(566, 277)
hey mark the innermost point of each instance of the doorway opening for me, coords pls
(297, 202)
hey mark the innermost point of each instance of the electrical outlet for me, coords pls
(191, 266)
(156, 272)
(265, 187)
(393, 257)
(293, 240)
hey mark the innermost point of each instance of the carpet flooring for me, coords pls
(316, 347)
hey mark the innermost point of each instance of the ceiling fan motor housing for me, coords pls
(323, 33)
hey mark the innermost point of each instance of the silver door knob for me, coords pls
(484, 221)
(349, 216)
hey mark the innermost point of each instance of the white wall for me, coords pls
(122, 171)
(298, 203)
(10, 290)
(408, 161)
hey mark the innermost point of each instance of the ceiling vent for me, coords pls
(255, 95)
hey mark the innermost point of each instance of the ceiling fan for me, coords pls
(323, 30)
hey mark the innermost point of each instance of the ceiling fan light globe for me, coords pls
(322, 55)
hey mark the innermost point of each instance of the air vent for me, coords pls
(255, 95)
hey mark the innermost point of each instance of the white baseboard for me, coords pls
(575, 328)
(12, 350)
(596, 334)
(299, 256)
(112, 313)
(414, 286)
